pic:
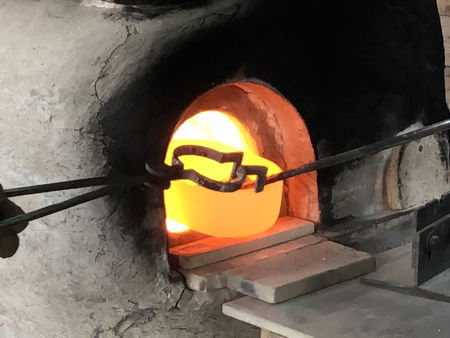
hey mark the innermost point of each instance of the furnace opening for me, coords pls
(255, 119)
(234, 214)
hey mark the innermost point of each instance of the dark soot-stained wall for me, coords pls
(357, 71)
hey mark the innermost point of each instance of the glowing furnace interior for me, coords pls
(254, 119)
(236, 214)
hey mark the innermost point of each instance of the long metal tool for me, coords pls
(111, 187)
(360, 152)
(58, 186)
(159, 176)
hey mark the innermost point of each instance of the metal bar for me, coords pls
(66, 185)
(359, 152)
(51, 209)
(133, 181)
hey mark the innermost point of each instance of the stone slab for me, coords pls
(300, 271)
(439, 285)
(393, 267)
(212, 249)
(447, 84)
(394, 272)
(444, 7)
(445, 24)
(212, 276)
(349, 310)
(269, 334)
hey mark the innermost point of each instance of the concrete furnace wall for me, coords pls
(80, 273)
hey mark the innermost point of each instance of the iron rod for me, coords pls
(124, 183)
(357, 153)
(66, 185)
(51, 209)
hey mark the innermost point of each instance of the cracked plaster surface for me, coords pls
(79, 273)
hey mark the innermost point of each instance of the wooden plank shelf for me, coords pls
(212, 249)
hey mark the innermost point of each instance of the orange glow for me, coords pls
(175, 227)
(212, 125)
(236, 214)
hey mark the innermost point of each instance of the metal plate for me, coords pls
(433, 211)
(432, 258)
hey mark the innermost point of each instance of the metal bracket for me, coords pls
(431, 246)
(238, 173)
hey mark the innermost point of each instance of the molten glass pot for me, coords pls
(236, 214)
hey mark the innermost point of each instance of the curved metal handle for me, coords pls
(237, 175)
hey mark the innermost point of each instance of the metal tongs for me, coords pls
(159, 176)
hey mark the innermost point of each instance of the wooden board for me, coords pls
(269, 334)
(348, 309)
(213, 249)
(300, 271)
(444, 7)
(445, 24)
(447, 85)
(212, 276)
